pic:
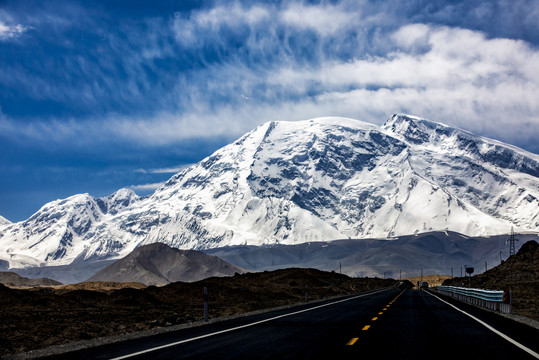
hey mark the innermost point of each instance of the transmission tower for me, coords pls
(511, 241)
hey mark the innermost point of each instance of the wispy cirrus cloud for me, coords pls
(145, 188)
(324, 19)
(213, 22)
(165, 170)
(11, 31)
(453, 75)
(283, 61)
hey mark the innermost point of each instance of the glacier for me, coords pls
(295, 182)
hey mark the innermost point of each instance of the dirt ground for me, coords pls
(36, 318)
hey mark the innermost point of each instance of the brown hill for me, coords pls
(100, 286)
(519, 273)
(159, 264)
(432, 280)
(15, 280)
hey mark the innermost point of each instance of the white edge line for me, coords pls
(240, 327)
(514, 342)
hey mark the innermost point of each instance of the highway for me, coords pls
(391, 324)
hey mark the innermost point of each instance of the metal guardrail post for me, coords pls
(484, 298)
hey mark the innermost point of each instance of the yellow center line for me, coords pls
(366, 327)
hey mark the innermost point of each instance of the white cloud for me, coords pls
(412, 36)
(460, 78)
(192, 30)
(8, 31)
(452, 75)
(146, 187)
(324, 19)
(167, 170)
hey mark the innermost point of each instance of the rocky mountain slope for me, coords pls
(296, 182)
(159, 264)
(520, 274)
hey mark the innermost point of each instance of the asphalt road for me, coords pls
(386, 325)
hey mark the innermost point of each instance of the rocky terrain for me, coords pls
(49, 316)
(159, 264)
(520, 274)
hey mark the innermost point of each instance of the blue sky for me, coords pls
(99, 95)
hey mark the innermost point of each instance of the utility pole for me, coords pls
(485, 266)
(451, 271)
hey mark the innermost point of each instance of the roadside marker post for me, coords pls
(205, 304)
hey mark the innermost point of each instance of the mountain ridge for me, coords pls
(295, 182)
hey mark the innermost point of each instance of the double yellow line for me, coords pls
(367, 327)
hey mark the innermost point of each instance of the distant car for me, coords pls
(424, 285)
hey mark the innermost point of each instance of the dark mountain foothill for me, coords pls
(159, 264)
(519, 273)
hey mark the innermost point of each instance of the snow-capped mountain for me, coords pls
(294, 182)
(54, 233)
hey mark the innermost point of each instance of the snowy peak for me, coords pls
(416, 130)
(300, 161)
(456, 142)
(118, 201)
(4, 221)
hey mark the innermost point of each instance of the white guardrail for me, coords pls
(489, 299)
